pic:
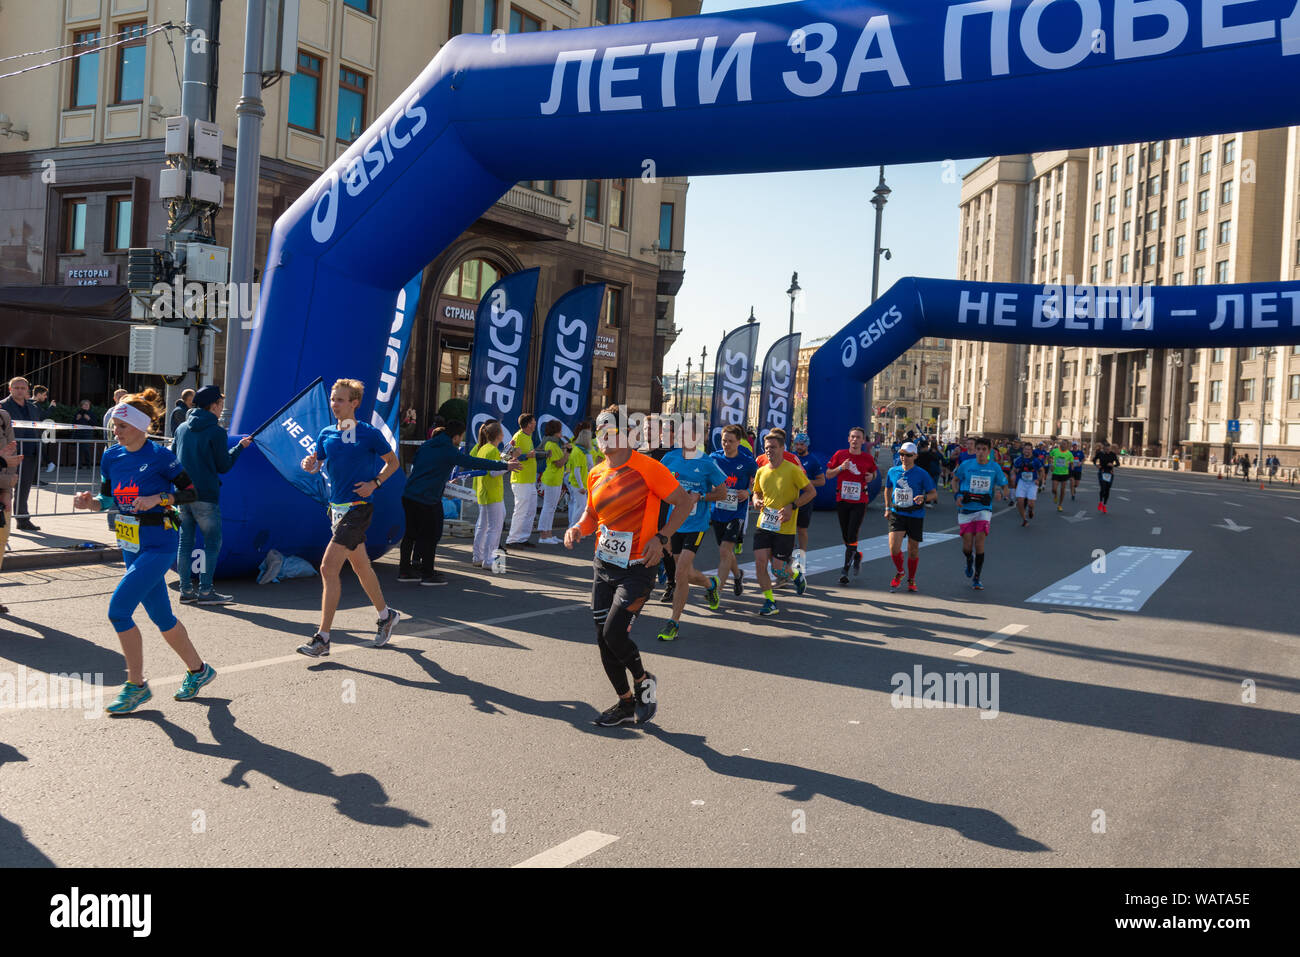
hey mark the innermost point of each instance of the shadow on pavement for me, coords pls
(358, 796)
(15, 849)
(58, 652)
(972, 823)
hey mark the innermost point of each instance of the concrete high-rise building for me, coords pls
(1196, 210)
(80, 163)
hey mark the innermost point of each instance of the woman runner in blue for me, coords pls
(138, 478)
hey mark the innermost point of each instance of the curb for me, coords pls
(60, 557)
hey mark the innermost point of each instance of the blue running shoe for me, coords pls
(801, 583)
(194, 680)
(768, 609)
(976, 585)
(129, 698)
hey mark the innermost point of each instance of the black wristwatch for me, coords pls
(663, 539)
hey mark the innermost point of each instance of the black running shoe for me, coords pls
(646, 694)
(738, 584)
(857, 563)
(384, 628)
(844, 576)
(622, 713)
(434, 578)
(407, 575)
(667, 596)
(318, 647)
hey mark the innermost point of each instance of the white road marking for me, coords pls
(1155, 530)
(1131, 577)
(1233, 504)
(1232, 526)
(574, 849)
(1123, 498)
(1290, 519)
(832, 558)
(1151, 511)
(984, 644)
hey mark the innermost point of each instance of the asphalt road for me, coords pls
(1165, 736)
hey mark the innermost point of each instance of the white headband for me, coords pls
(132, 416)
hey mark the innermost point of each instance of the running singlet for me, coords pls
(1026, 469)
(625, 501)
(1061, 462)
(740, 473)
(347, 462)
(902, 485)
(700, 474)
(127, 476)
(978, 483)
(851, 485)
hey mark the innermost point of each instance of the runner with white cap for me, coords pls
(907, 489)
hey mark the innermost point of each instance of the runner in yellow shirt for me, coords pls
(779, 491)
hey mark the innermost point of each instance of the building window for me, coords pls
(521, 22)
(1221, 271)
(626, 11)
(1140, 396)
(1098, 181)
(618, 203)
(1110, 205)
(1216, 390)
(1268, 389)
(362, 5)
(1158, 150)
(1178, 279)
(1151, 256)
(1247, 390)
(352, 105)
(457, 25)
(85, 70)
(1229, 152)
(1101, 152)
(130, 63)
(1114, 172)
(1193, 391)
(74, 226)
(1110, 236)
(1225, 192)
(1205, 163)
(665, 225)
(304, 94)
(489, 15)
(613, 307)
(1153, 186)
(1127, 231)
(1184, 171)
(1128, 197)
(1182, 210)
(1123, 263)
(1225, 231)
(1202, 200)
(1293, 387)
(546, 186)
(118, 239)
(472, 280)
(1180, 246)
(454, 369)
(1198, 276)
(1096, 212)
(1201, 239)
(1096, 242)
(1128, 164)
(1110, 268)
(591, 201)
(601, 13)
(1153, 219)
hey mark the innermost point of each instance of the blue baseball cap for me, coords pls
(801, 437)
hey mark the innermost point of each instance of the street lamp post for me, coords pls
(1173, 360)
(1095, 375)
(704, 355)
(677, 394)
(1265, 353)
(687, 395)
(879, 198)
(793, 293)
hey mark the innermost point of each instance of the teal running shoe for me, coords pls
(129, 698)
(194, 681)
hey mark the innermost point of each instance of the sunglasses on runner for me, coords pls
(907, 455)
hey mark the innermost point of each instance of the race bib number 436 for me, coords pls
(615, 547)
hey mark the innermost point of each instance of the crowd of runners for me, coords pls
(651, 501)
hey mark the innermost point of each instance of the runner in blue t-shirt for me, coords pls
(816, 472)
(143, 481)
(1076, 469)
(731, 512)
(907, 489)
(695, 472)
(980, 480)
(1028, 470)
(357, 459)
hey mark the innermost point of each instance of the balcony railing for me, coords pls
(536, 203)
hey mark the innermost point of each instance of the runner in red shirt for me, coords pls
(854, 468)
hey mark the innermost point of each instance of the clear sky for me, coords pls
(746, 234)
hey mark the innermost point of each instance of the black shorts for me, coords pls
(731, 531)
(688, 541)
(1076, 474)
(804, 516)
(349, 530)
(781, 546)
(1060, 478)
(911, 524)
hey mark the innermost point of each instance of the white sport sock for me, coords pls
(383, 614)
(324, 634)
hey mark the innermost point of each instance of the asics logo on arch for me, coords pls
(363, 169)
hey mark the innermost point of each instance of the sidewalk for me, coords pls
(1280, 481)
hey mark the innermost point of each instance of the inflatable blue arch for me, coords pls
(794, 86)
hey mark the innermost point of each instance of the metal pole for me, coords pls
(704, 358)
(1266, 353)
(250, 113)
(878, 200)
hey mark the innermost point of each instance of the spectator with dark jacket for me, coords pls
(182, 409)
(85, 439)
(422, 499)
(21, 409)
(204, 451)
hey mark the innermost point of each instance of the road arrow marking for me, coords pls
(1155, 530)
(1079, 516)
(1290, 519)
(1232, 526)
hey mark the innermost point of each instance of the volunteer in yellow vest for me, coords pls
(489, 490)
(556, 456)
(523, 484)
(581, 461)
(779, 491)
